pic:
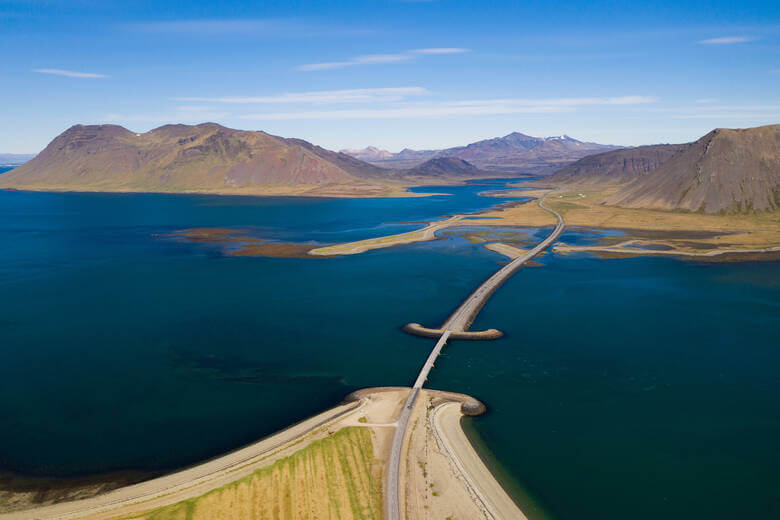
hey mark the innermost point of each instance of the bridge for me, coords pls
(456, 327)
(460, 320)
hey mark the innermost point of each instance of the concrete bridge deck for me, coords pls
(460, 320)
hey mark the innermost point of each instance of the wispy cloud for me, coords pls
(458, 108)
(69, 73)
(706, 100)
(260, 27)
(726, 40)
(363, 95)
(377, 59)
(439, 50)
(368, 59)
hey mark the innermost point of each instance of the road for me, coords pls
(394, 463)
(464, 316)
(460, 321)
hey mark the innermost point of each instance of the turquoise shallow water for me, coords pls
(631, 388)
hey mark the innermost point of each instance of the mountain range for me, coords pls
(15, 159)
(725, 171)
(211, 158)
(512, 154)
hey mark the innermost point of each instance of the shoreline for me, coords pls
(324, 191)
(373, 409)
(189, 482)
(520, 213)
(514, 488)
(635, 251)
(478, 477)
(713, 237)
(310, 193)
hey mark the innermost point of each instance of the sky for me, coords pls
(392, 74)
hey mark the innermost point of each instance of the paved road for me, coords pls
(463, 317)
(460, 320)
(394, 463)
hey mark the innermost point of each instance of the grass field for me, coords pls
(335, 478)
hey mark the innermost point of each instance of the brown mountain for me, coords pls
(351, 165)
(201, 158)
(171, 158)
(445, 168)
(616, 167)
(211, 158)
(726, 171)
(512, 154)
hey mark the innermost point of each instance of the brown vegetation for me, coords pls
(335, 478)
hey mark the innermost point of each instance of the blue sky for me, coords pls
(395, 74)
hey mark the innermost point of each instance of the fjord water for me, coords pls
(626, 388)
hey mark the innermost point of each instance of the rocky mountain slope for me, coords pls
(511, 154)
(617, 167)
(726, 171)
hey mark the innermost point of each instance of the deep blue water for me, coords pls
(629, 388)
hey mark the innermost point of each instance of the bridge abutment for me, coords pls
(418, 330)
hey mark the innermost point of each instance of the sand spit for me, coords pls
(442, 476)
(506, 250)
(361, 246)
(483, 488)
(624, 248)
